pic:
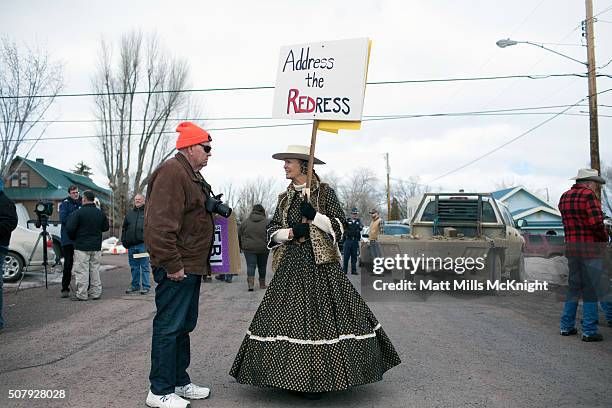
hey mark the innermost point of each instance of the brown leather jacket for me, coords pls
(178, 231)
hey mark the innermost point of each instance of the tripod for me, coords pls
(44, 236)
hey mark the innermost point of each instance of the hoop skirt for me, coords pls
(312, 332)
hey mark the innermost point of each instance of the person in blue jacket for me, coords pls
(67, 207)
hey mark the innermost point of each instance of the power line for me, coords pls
(240, 118)
(512, 140)
(251, 88)
(603, 11)
(309, 123)
(563, 44)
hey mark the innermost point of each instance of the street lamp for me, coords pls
(508, 42)
(590, 64)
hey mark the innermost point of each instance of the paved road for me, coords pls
(485, 352)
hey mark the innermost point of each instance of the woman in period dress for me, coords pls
(312, 332)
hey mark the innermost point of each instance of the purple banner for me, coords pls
(220, 256)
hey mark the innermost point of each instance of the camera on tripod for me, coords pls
(43, 210)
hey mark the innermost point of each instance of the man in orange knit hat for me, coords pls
(178, 233)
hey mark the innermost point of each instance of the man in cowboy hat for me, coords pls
(351, 241)
(586, 238)
(375, 227)
(178, 233)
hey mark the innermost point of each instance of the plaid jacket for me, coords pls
(583, 222)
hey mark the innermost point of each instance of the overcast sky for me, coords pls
(237, 43)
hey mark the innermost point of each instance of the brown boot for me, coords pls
(262, 283)
(251, 282)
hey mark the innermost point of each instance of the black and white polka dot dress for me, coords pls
(312, 331)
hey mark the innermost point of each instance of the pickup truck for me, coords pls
(454, 226)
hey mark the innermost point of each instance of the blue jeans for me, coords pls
(140, 268)
(176, 316)
(351, 247)
(3, 252)
(607, 309)
(374, 250)
(256, 261)
(584, 281)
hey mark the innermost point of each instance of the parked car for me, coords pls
(388, 228)
(396, 229)
(22, 253)
(544, 246)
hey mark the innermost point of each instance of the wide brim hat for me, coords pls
(296, 152)
(589, 175)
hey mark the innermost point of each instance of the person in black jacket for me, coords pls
(8, 222)
(85, 227)
(132, 237)
(254, 245)
(351, 241)
(67, 207)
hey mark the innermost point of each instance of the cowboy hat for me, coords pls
(589, 175)
(296, 152)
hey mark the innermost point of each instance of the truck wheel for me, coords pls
(518, 273)
(13, 267)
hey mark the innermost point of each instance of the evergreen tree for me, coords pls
(395, 210)
(82, 169)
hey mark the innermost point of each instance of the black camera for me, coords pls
(43, 210)
(215, 205)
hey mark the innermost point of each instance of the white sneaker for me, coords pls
(166, 401)
(192, 391)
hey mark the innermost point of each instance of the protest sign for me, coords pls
(322, 81)
(225, 253)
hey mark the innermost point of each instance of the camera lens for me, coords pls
(224, 210)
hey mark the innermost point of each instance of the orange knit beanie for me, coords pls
(190, 134)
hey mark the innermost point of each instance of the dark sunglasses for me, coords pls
(207, 148)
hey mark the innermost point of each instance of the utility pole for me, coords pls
(388, 187)
(594, 128)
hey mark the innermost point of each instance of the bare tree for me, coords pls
(132, 126)
(26, 74)
(406, 191)
(505, 183)
(261, 190)
(332, 179)
(361, 189)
